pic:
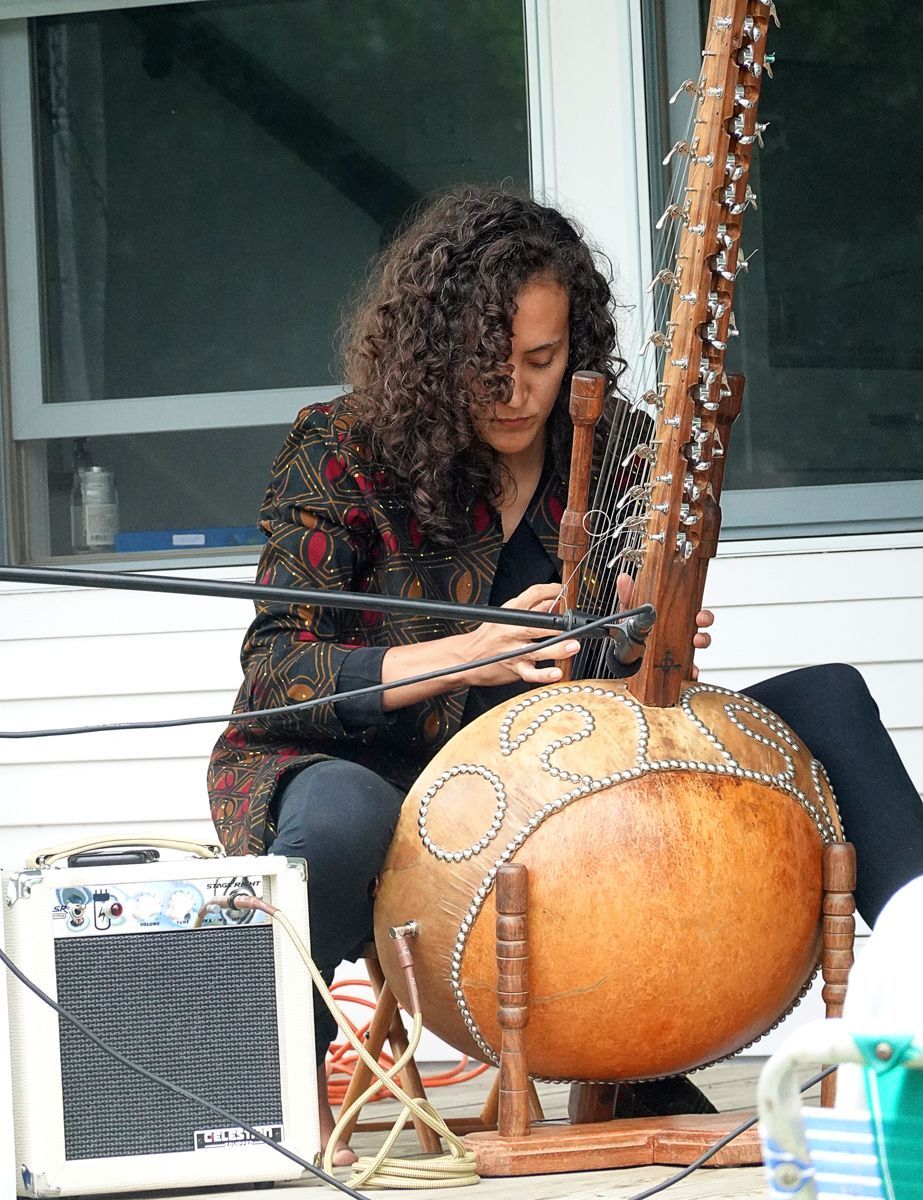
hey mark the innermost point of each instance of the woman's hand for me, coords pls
(625, 587)
(455, 651)
(703, 619)
(489, 639)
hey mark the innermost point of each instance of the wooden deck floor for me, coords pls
(728, 1086)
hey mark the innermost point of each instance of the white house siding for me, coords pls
(74, 657)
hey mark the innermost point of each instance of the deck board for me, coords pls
(728, 1085)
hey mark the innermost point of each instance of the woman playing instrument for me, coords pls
(442, 476)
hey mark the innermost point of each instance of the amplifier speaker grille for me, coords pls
(196, 1006)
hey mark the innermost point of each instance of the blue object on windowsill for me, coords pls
(187, 539)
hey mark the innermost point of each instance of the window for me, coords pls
(831, 436)
(192, 195)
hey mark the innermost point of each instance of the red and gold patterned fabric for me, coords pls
(330, 524)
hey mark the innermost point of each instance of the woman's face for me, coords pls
(538, 359)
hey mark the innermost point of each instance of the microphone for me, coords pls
(626, 641)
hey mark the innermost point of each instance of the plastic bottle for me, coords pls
(94, 504)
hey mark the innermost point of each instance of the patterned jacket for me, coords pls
(328, 527)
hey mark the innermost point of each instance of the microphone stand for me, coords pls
(568, 621)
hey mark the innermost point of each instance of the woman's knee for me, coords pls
(835, 675)
(837, 685)
(828, 685)
(336, 809)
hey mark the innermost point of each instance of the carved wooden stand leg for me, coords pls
(519, 1147)
(839, 937)
(385, 1025)
(513, 1000)
(491, 1110)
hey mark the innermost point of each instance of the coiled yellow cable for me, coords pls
(455, 1169)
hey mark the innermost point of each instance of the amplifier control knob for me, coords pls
(180, 907)
(147, 906)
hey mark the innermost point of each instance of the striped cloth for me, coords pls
(844, 1159)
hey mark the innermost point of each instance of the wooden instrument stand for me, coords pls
(386, 1026)
(592, 1141)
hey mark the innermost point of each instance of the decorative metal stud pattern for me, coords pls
(565, 699)
(686, 705)
(763, 716)
(484, 841)
(821, 778)
(817, 809)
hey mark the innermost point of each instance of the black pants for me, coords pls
(341, 817)
(832, 710)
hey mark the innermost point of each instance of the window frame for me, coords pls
(12, 10)
(805, 510)
(34, 418)
(821, 510)
(608, 195)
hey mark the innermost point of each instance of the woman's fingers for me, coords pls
(625, 590)
(703, 619)
(539, 594)
(530, 673)
(528, 669)
(541, 597)
(561, 650)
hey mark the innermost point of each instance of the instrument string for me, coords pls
(630, 449)
(617, 519)
(654, 315)
(594, 536)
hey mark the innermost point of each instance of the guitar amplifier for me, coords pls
(218, 1002)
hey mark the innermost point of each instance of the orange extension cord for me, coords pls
(341, 1059)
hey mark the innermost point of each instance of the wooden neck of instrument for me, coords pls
(667, 662)
(696, 403)
(587, 396)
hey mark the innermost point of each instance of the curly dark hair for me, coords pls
(437, 315)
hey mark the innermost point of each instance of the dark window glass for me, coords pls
(215, 177)
(212, 181)
(191, 492)
(830, 343)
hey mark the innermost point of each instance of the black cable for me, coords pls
(165, 584)
(719, 1145)
(173, 1087)
(316, 1171)
(244, 718)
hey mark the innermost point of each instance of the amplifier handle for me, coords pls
(52, 854)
